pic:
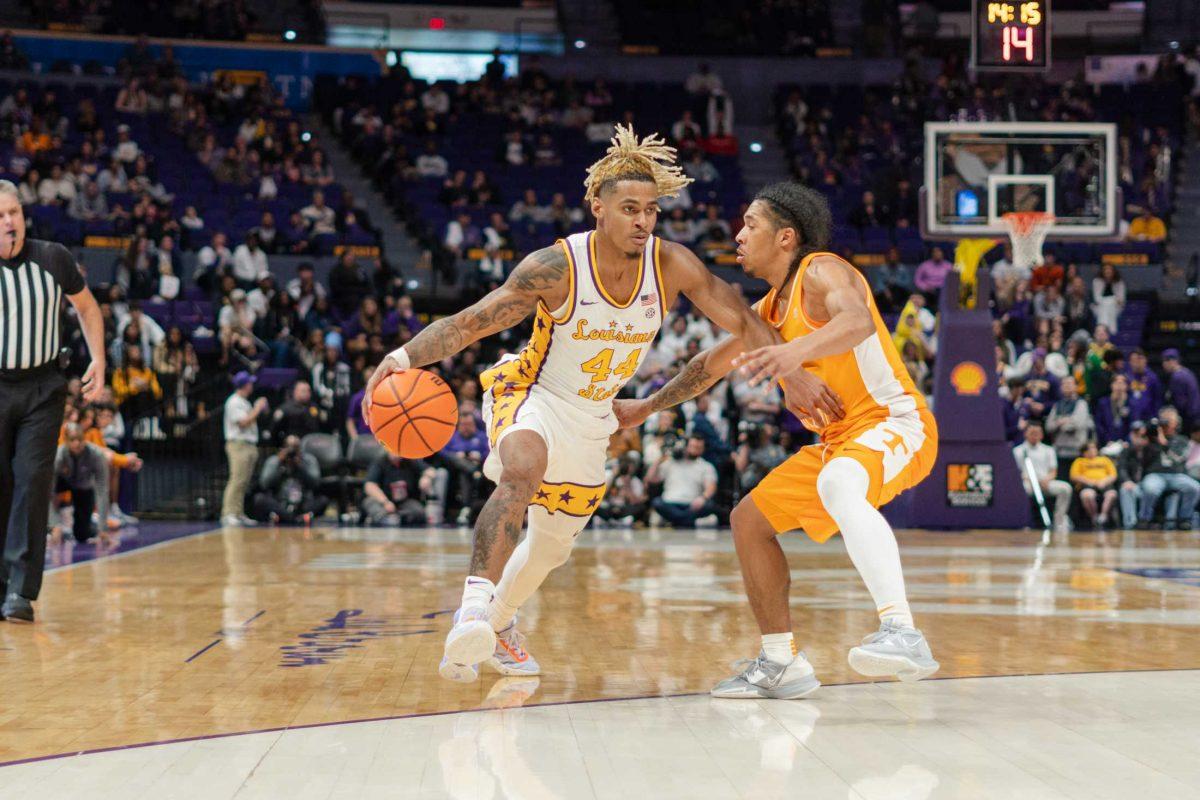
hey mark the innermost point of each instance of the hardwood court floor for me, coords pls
(247, 631)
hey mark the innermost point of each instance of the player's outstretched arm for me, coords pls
(834, 284)
(716, 299)
(701, 372)
(540, 275)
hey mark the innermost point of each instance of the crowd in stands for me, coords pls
(863, 146)
(478, 208)
(1093, 422)
(226, 172)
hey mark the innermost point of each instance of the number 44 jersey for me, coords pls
(583, 352)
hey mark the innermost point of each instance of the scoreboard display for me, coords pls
(1010, 34)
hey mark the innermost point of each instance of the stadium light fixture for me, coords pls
(289, 35)
(756, 147)
(580, 44)
(306, 137)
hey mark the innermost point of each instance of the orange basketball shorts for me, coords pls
(897, 452)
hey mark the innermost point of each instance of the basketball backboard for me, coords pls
(975, 172)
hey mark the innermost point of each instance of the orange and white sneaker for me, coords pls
(510, 657)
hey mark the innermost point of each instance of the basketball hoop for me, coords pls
(1027, 230)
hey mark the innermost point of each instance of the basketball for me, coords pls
(413, 413)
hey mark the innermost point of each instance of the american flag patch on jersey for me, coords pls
(650, 299)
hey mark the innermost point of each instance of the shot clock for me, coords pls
(1010, 34)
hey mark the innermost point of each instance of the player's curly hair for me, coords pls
(794, 205)
(650, 160)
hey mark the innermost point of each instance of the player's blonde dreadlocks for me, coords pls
(628, 159)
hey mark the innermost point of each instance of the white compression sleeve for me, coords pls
(546, 545)
(843, 485)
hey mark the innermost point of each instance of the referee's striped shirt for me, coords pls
(32, 286)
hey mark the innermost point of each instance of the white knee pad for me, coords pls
(840, 480)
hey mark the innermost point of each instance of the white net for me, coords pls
(1027, 230)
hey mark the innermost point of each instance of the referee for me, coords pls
(34, 276)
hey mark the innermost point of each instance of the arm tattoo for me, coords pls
(691, 381)
(503, 308)
(542, 270)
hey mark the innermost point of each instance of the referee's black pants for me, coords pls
(31, 413)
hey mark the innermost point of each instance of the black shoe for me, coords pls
(17, 608)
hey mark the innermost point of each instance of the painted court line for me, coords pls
(309, 726)
(223, 632)
(202, 651)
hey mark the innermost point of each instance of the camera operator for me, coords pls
(289, 480)
(396, 490)
(625, 501)
(757, 454)
(689, 484)
(1165, 474)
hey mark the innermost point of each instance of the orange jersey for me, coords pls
(871, 380)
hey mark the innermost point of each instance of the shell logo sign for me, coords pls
(968, 378)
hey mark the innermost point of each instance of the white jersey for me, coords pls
(585, 351)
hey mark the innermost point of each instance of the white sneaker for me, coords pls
(126, 519)
(625, 522)
(231, 521)
(709, 521)
(510, 656)
(246, 522)
(470, 642)
(893, 652)
(762, 678)
(656, 520)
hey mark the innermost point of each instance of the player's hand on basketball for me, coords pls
(807, 396)
(385, 368)
(765, 363)
(93, 381)
(631, 413)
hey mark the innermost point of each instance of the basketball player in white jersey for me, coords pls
(598, 300)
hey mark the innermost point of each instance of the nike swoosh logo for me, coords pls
(588, 302)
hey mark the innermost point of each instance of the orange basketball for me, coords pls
(413, 413)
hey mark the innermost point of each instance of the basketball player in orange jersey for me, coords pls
(882, 442)
(598, 300)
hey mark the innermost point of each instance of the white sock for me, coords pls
(477, 592)
(843, 485)
(897, 614)
(779, 647)
(499, 613)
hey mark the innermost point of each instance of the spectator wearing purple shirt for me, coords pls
(402, 315)
(1114, 412)
(931, 274)
(1182, 389)
(464, 456)
(1145, 389)
(355, 424)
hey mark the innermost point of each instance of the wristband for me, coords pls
(401, 358)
